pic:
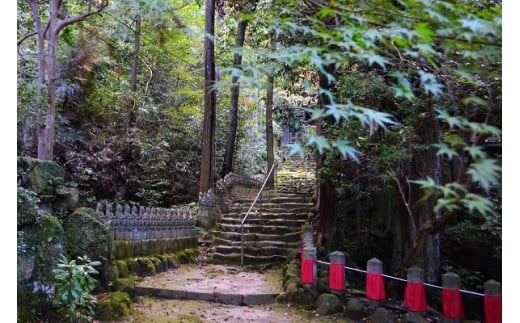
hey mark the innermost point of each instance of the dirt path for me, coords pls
(175, 311)
(217, 278)
(221, 279)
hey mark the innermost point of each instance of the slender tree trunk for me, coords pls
(46, 129)
(208, 130)
(30, 133)
(233, 109)
(326, 196)
(135, 69)
(269, 129)
(48, 41)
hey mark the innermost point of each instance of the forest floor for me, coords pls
(218, 278)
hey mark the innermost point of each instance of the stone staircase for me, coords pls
(274, 226)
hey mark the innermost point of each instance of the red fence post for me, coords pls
(415, 295)
(375, 288)
(492, 302)
(337, 271)
(308, 267)
(451, 300)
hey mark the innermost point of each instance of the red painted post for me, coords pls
(451, 300)
(492, 302)
(337, 271)
(415, 295)
(375, 288)
(308, 266)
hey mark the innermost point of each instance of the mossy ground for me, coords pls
(161, 311)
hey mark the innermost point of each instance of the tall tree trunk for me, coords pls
(233, 109)
(135, 69)
(269, 129)
(48, 41)
(208, 130)
(30, 133)
(326, 196)
(46, 129)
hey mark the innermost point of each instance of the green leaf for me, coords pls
(346, 149)
(381, 118)
(443, 149)
(336, 112)
(478, 203)
(320, 142)
(424, 30)
(316, 114)
(485, 172)
(452, 121)
(430, 84)
(476, 100)
(378, 59)
(296, 148)
(449, 204)
(475, 152)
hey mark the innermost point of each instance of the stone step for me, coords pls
(264, 251)
(257, 244)
(235, 236)
(234, 258)
(271, 209)
(251, 228)
(280, 217)
(289, 220)
(271, 199)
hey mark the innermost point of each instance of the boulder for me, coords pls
(117, 306)
(381, 315)
(413, 317)
(26, 207)
(355, 310)
(39, 246)
(42, 176)
(87, 236)
(328, 304)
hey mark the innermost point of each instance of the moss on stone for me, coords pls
(146, 266)
(42, 176)
(122, 268)
(172, 261)
(116, 307)
(159, 266)
(27, 207)
(115, 271)
(133, 266)
(39, 247)
(327, 304)
(126, 285)
(120, 250)
(87, 236)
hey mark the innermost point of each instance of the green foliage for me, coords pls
(75, 284)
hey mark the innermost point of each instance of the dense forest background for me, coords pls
(400, 103)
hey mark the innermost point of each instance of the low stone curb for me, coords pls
(229, 299)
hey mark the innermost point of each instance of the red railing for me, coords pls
(415, 294)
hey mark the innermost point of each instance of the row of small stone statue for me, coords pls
(141, 223)
(140, 213)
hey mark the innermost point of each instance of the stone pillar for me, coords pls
(337, 271)
(451, 299)
(308, 234)
(307, 239)
(492, 302)
(415, 295)
(375, 288)
(308, 269)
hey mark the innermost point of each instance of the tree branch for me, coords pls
(25, 37)
(68, 21)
